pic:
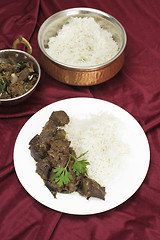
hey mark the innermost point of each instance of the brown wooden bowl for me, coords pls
(81, 76)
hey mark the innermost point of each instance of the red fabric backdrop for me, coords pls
(136, 88)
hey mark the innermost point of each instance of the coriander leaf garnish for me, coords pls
(80, 166)
(62, 176)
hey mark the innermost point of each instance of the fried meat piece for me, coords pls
(43, 168)
(60, 118)
(38, 148)
(90, 188)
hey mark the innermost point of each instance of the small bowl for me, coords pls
(19, 56)
(81, 76)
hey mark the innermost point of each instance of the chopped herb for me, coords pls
(3, 83)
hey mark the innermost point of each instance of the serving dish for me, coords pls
(19, 56)
(88, 75)
(128, 179)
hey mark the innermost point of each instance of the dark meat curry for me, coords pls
(16, 78)
(54, 156)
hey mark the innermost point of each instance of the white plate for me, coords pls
(121, 190)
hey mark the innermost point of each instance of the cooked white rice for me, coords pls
(102, 136)
(82, 42)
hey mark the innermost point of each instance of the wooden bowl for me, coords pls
(88, 75)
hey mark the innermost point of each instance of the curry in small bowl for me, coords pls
(19, 76)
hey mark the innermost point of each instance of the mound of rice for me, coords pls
(102, 136)
(82, 42)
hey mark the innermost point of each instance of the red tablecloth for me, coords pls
(136, 88)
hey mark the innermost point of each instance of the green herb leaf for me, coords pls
(58, 171)
(80, 167)
(3, 83)
(62, 176)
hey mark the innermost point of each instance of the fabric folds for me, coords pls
(136, 88)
